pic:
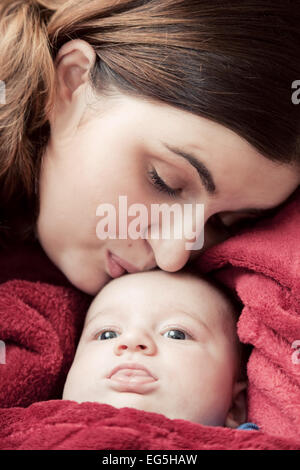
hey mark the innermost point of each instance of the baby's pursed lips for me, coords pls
(133, 376)
(131, 369)
(131, 372)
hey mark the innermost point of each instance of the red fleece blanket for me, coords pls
(41, 317)
(263, 268)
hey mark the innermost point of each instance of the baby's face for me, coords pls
(156, 341)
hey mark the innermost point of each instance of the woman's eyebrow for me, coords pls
(203, 172)
(208, 181)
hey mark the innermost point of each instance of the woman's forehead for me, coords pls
(243, 178)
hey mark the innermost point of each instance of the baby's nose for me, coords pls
(135, 342)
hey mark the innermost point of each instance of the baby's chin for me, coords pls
(121, 400)
(140, 402)
(135, 400)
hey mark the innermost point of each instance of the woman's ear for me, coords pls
(237, 414)
(72, 64)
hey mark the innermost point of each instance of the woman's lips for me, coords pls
(117, 266)
(115, 270)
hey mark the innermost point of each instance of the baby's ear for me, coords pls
(237, 414)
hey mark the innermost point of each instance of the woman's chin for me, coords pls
(86, 278)
(89, 285)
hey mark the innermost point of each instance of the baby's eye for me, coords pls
(108, 334)
(176, 334)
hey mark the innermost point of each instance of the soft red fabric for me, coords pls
(39, 324)
(263, 268)
(64, 425)
(41, 317)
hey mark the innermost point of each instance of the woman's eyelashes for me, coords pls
(216, 220)
(161, 185)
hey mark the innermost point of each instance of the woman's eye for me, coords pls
(176, 334)
(235, 225)
(108, 334)
(218, 223)
(161, 186)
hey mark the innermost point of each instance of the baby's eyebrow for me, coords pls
(89, 321)
(174, 308)
(195, 316)
(96, 315)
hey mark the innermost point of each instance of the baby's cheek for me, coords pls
(80, 379)
(224, 368)
(213, 367)
(198, 391)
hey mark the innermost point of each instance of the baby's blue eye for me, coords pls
(175, 334)
(106, 335)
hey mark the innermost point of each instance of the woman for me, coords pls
(161, 101)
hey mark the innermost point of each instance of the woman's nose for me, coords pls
(172, 253)
(135, 341)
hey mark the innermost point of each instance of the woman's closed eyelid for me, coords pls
(162, 172)
(159, 183)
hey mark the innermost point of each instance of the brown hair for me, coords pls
(232, 62)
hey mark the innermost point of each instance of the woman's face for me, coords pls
(112, 154)
(98, 153)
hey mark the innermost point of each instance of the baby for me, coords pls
(165, 343)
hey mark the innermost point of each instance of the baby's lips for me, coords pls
(125, 371)
(131, 372)
(133, 376)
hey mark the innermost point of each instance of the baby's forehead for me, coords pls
(154, 290)
(156, 280)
